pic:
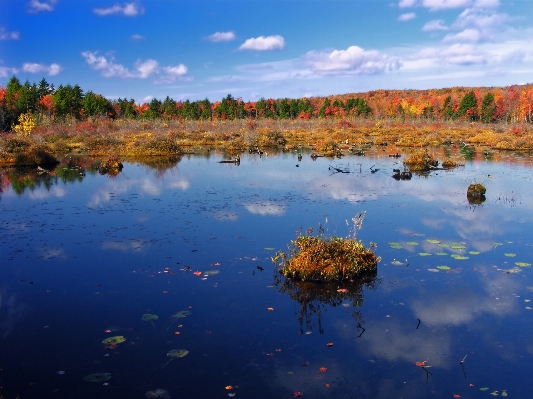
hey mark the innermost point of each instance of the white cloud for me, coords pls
(406, 3)
(177, 71)
(266, 208)
(435, 5)
(352, 61)
(143, 69)
(263, 43)
(468, 35)
(436, 24)
(462, 54)
(137, 37)
(477, 25)
(52, 69)
(35, 6)
(7, 71)
(127, 9)
(407, 17)
(487, 3)
(146, 68)
(5, 35)
(221, 37)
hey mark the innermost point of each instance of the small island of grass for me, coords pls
(325, 259)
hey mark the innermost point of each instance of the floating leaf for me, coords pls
(441, 253)
(424, 254)
(269, 249)
(432, 241)
(118, 339)
(522, 264)
(97, 377)
(323, 369)
(459, 257)
(474, 252)
(484, 389)
(457, 246)
(443, 245)
(149, 317)
(396, 263)
(509, 254)
(497, 244)
(494, 393)
(412, 243)
(443, 267)
(529, 307)
(176, 353)
(433, 270)
(504, 393)
(211, 272)
(157, 394)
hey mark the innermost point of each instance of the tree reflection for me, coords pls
(315, 298)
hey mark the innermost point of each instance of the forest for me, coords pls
(25, 106)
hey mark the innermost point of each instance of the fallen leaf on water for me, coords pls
(231, 394)
(484, 389)
(420, 364)
(297, 394)
(270, 354)
(278, 349)
(323, 369)
(329, 344)
(456, 395)
(342, 290)
(327, 385)
(270, 308)
(197, 273)
(229, 387)
(307, 364)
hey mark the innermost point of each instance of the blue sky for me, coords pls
(198, 49)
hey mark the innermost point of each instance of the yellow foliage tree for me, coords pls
(26, 124)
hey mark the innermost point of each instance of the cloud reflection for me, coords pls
(265, 208)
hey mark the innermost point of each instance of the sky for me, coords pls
(197, 49)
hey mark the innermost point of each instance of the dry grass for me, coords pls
(326, 137)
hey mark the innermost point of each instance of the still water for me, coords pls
(175, 261)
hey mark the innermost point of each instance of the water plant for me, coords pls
(327, 258)
(176, 353)
(150, 317)
(476, 193)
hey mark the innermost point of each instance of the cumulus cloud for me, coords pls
(407, 17)
(5, 35)
(127, 9)
(462, 54)
(221, 37)
(35, 6)
(263, 43)
(436, 24)
(143, 69)
(435, 5)
(352, 61)
(137, 37)
(52, 69)
(7, 71)
(406, 3)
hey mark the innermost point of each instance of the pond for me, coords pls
(158, 282)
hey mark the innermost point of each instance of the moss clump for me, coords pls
(320, 258)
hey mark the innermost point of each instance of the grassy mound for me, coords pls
(320, 258)
(421, 161)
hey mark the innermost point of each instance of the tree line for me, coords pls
(488, 105)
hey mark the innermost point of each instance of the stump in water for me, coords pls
(476, 193)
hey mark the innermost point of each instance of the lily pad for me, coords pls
(424, 254)
(118, 339)
(412, 243)
(395, 245)
(441, 253)
(444, 267)
(211, 272)
(443, 245)
(97, 377)
(459, 257)
(157, 394)
(509, 254)
(484, 389)
(474, 252)
(396, 263)
(432, 241)
(457, 247)
(149, 317)
(176, 353)
(522, 264)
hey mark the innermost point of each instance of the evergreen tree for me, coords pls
(488, 108)
(97, 105)
(467, 106)
(447, 108)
